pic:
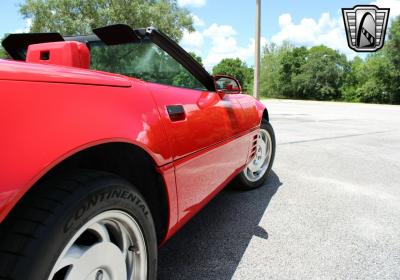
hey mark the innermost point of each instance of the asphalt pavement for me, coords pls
(329, 210)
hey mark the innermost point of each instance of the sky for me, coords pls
(226, 28)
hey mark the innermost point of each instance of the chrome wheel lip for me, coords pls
(120, 257)
(256, 169)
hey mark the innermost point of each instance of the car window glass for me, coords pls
(144, 61)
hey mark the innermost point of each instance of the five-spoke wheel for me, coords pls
(259, 165)
(257, 170)
(109, 246)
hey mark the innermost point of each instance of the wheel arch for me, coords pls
(265, 115)
(262, 111)
(129, 161)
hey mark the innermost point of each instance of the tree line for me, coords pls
(321, 73)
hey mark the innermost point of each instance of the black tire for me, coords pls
(34, 234)
(241, 182)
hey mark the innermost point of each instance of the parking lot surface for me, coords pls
(329, 210)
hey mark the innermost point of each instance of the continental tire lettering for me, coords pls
(116, 194)
(132, 197)
(124, 195)
(93, 200)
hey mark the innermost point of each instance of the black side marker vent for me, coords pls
(253, 147)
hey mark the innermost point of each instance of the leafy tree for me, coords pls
(185, 79)
(271, 65)
(237, 69)
(3, 54)
(298, 72)
(292, 63)
(72, 17)
(373, 78)
(322, 74)
(392, 51)
(377, 79)
(355, 77)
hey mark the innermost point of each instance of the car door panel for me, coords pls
(250, 113)
(208, 143)
(209, 119)
(200, 177)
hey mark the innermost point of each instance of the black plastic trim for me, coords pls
(117, 34)
(16, 45)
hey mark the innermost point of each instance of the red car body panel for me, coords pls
(210, 143)
(34, 72)
(49, 113)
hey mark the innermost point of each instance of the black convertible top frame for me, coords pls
(17, 44)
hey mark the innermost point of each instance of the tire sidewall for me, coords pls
(94, 198)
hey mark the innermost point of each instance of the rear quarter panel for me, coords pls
(43, 123)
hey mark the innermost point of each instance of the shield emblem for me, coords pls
(365, 27)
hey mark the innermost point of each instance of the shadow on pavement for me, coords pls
(212, 244)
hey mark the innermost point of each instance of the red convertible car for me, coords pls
(109, 144)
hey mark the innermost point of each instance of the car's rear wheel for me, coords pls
(87, 225)
(258, 169)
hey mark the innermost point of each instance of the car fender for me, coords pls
(262, 110)
(44, 123)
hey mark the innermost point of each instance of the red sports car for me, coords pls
(109, 144)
